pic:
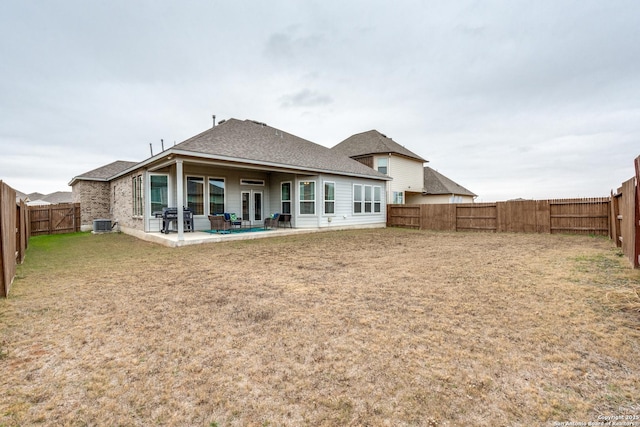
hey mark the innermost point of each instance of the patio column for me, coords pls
(180, 201)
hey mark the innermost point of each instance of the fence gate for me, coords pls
(54, 219)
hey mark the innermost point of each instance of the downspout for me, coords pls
(389, 189)
(180, 201)
(320, 211)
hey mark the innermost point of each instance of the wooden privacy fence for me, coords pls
(54, 219)
(575, 216)
(625, 217)
(14, 236)
(617, 216)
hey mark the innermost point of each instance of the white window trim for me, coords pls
(363, 201)
(290, 198)
(137, 180)
(386, 165)
(379, 201)
(401, 193)
(256, 182)
(204, 192)
(207, 210)
(324, 200)
(315, 198)
(354, 201)
(169, 192)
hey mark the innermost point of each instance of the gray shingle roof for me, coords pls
(256, 142)
(35, 196)
(436, 183)
(372, 142)
(103, 173)
(59, 197)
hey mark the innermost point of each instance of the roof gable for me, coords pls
(105, 172)
(436, 183)
(373, 142)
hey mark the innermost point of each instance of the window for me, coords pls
(357, 199)
(307, 198)
(285, 197)
(216, 196)
(195, 194)
(137, 195)
(397, 197)
(382, 165)
(367, 199)
(377, 199)
(329, 197)
(159, 192)
(252, 182)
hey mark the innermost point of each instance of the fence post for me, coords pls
(615, 222)
(50, 219)
(23, 218)
(4, 287)
(636, 254)
(8, 239)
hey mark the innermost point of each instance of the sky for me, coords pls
(510, 99)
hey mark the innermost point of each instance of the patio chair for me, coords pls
(219, 224)
(284, 220)
(272, 221)
(233, 219)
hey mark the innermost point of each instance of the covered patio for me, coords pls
(202, 237)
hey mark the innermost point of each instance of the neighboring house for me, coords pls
(59, 197)
(383, 154)
(412, 181)
(440, 189)
(39, 199)
(243, 167)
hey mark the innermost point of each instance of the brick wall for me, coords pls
(94, 199)
(106, 200)
(122, 201)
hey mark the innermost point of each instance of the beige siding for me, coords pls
(407, 174)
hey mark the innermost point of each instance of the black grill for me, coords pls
(170, 219)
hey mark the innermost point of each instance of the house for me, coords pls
(59, 197)
(39, 199)
(440, 189)
(383, 154)
(240, 166)
(412, 181)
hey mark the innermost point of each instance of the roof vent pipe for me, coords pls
(214, 120)
(151, 148)
(162, 144)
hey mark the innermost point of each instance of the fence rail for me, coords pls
(577, 216)
(54, 219)
(625, 217)
(617, 216)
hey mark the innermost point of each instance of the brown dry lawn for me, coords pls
(369, 327)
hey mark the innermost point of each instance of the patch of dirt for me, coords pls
(369, 327)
